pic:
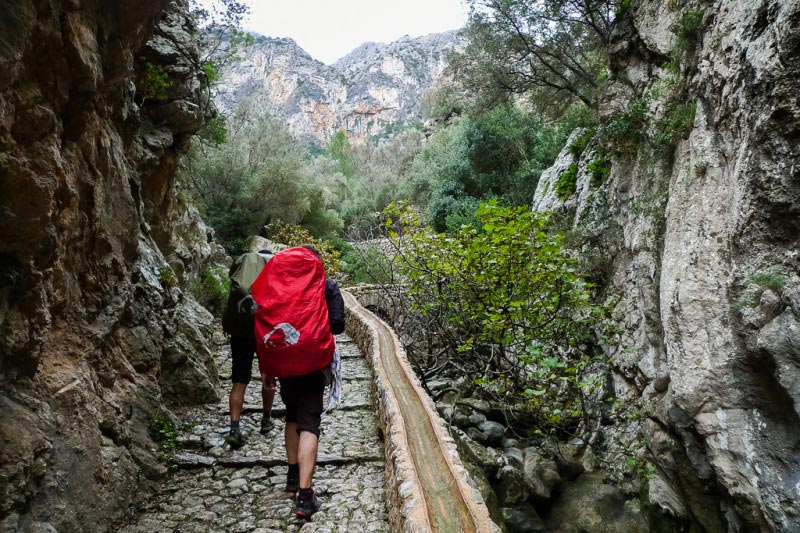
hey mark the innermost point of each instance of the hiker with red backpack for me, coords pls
(299, 311)
(238, 322)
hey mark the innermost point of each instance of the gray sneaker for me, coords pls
(267, 425)
(235, 438)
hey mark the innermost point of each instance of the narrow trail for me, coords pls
(217, 489)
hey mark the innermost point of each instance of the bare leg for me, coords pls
(236, 400)
(307, 457)
(291, 440)
(267, 393)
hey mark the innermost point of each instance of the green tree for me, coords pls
(340, 150)
(552, 50)
(258, 177)
(220, 37)
(496, 154)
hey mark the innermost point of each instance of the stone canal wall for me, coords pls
(405, 491)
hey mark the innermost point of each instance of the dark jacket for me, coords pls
(335, 302)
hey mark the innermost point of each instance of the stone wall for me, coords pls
(95, 329)
(405, 497)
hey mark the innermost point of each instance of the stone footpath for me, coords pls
(217, 489)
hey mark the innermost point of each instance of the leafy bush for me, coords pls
(755, 284)
(598, 169)
(211, 72)
(166, 434)
(364, 264)
(293, 235)
(688, 30)
(211, 287)
(321, 222)
(167, 278)
(506, 303)
(624, 131)
(567, 182)
(216, 130)
(768, 278)
(579, 145)
(676, 124)
(153, 81)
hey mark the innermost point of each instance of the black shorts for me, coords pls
(302, 396)
(243, 349)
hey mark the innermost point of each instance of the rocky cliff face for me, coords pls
(704, 238)
(95, 332)
(374, 86)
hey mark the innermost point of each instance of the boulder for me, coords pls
(522, 518)
(541, 473)
(511, 487)
(589, 504)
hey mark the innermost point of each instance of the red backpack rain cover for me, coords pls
(293, 334)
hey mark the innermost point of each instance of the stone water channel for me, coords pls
(218, 489)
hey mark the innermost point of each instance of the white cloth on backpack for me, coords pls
(333, 378)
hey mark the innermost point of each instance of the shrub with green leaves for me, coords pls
(579, 145)
(507, 305)
(165, 433)
(293, 235)
(153, 81)
(756, 283)
(167, 278)
(567, 182)
(688, 30)
(598, 169)
(211, 287)
(216, 130)
(676, 124)
(625, 130)
(622, 7)
(364, 264)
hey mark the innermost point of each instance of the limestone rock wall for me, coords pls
(700, 249)
(95, 331)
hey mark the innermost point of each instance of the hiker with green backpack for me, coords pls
(238, 321)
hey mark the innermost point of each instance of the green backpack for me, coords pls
(238, 318)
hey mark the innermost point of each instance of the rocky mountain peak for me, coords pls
(375, 85)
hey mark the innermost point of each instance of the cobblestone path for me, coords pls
(217, 489)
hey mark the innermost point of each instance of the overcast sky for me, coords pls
(329, 29)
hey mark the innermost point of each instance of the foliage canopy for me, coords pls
(506, 305)
(259, 176)
(553, 51)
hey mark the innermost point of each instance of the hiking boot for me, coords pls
(267, 425)
(235, 438)
(307, 504)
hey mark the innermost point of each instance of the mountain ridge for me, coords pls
(371, 87)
